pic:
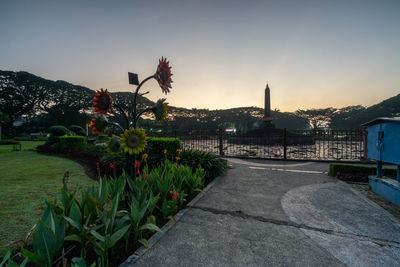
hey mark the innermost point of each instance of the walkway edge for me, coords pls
(130, 261)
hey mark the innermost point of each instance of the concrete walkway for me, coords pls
(279, 214)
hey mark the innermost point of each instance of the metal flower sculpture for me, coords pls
(132, 140)
(163, 75)
(102, 101)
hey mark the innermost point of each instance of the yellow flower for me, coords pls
(144, 156)
(177, 158)
(133, 141)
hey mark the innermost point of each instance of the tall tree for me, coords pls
(317, 118)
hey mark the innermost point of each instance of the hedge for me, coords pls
(335, 168)
(58, 130)
(155, 149)
(67, 141)
(78, 130)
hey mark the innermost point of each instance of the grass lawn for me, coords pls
(27, 179)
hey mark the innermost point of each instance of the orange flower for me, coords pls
(144, 156)
(179, 151)
(171, 192)
(165, 152)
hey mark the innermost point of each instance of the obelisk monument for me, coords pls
(267, 108)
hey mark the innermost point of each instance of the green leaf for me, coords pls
(118, 235)
(24, 263)
(150, 226)
(97, 235)
(73, 237)
(75, 213)
(144, 242)
(78, 262)
(6, 257)
(73, 223)
(33, 257)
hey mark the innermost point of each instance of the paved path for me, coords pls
(279, 214)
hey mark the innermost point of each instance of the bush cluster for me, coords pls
(212, 164)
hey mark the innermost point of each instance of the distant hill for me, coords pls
(353, 117)
(45, 102)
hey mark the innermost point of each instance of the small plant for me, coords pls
(108, 232)
(47, 239)
(139, 217)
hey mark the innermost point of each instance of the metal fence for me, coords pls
(333, 145)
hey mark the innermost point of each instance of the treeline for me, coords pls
(33, 104)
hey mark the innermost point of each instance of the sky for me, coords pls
(313, 54)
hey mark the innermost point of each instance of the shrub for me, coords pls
(58, 130)
(70, 142)
(155, 149)
(78, 130)
(357, 170)
(212, 164)
(9, 142)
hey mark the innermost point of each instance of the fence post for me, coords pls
(221, 142)
(284, 144)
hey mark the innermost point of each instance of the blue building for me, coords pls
(383, 146)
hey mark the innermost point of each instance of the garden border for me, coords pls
(130, 261)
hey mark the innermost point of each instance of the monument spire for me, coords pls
(267, 106)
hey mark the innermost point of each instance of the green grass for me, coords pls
(27, 179)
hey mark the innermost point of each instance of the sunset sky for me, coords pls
(314, 54)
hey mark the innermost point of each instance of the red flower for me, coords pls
(138, 172)
(145, 175)
(174, 196)
(136, 164)
(102, 101)
(177, 194)
(141, 189)
(113, 165)
(176, 165)
(163, 75)
(171, 192)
